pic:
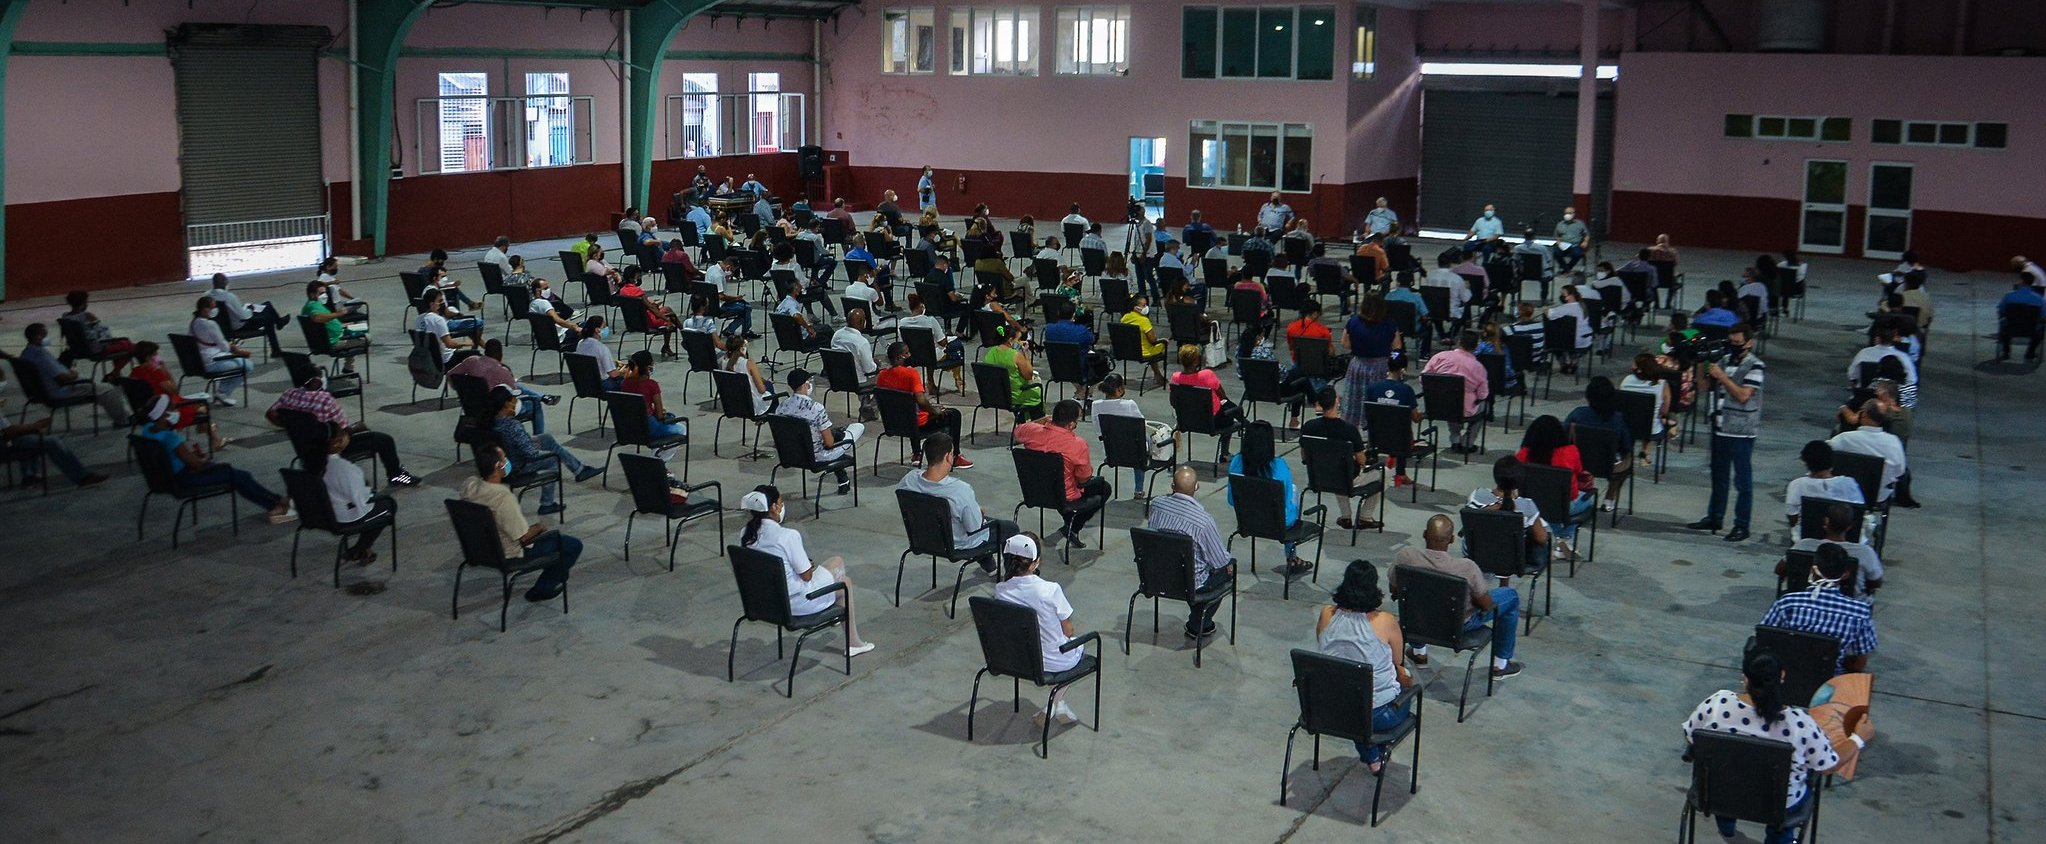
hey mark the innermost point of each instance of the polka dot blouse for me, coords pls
(1725, 712)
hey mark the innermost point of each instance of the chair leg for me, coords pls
(628, 525)
(972, 702)
(1129, 613)
(958, 580)
(294, 555)
(1286, 766)
(731, 651)
(1466, 695)
(340, 547)
(504, 609)
(1376, 789)
(900, 563)
(794, 660)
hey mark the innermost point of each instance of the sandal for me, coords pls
(365, 559)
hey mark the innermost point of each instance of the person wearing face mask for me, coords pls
(1140, 316)
(1573, 239)
(764, 532)
(594, 332)
(25, 440)
(350, 496)
(515, 536)
(927, 190)
(192, 412)
(1485, 231)
(190, 468)
(546, 304)
(319, 311)
(449, 333)
(1736, 425)
(534, 452)
(221, 356)
(1543, 254)
(1381, 219)
(827, 441)
(311, 398)
(263, 317)
(1830, 608)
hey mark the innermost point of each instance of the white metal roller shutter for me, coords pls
(249, 128)
(1514, 150)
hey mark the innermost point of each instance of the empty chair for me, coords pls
(652, 495)
(1497, 541)
(1433, 608)
(1260, 505)
(794, 449)
(316, 512)
(1165, 569)
(1335, 697)
(927, 521)
(1012, 647)
(764, 597)
(482, 547)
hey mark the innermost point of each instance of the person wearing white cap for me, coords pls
(1054, 615)
(828, 441)
(764, 532)
(191, 468)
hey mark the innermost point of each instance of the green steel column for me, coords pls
(652, 27)
(380, 26)
(10, 15)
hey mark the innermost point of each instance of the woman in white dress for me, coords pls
(764, 532)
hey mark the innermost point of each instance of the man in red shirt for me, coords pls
(931, 417)
(1085, 493)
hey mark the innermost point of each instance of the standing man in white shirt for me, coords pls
(1485, 231)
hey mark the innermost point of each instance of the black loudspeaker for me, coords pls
(810, 163)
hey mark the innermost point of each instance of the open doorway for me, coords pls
(1147, 174)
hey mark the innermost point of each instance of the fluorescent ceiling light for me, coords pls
(1538, 71)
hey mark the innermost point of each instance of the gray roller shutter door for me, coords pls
(248, 123)
(1515, 150)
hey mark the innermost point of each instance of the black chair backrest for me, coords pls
(927, 521)
(1260, 506)
(155, 464)
(629, 418)
(1260, 380)
(189, 362)
(1711, 332)
(1073, 233)
(1497, 541)
(1639, 411)
(1797, 570)
(1364, 269)
(1193, 408)
(1042, 475)
(571, 264)
(788, 333)
(1008, 637)
(1246, 305)
(1335, 695)
(1019, 243)
(584, 372)
(1126, 341)
(989, 326)
(1214, 271)
(547, 335)
(2020, 320)
(1331, 467)
(473, 394)
(1068, 363)
(415, 285)
(315, 336)
(476, 532)
(308, 436)
(832, 229)
(141, 397)
(971, 250)
(1256, 263)
(1437, 299)
(898, 413)
(1165, 563)
(919, 262)
(923, 346)
(1442, 397)
(1531, 265)
(1404, 315)
(632, 312)
(1809, 660)
(1328, 278)
(763, 585)
(31, 381)
(1115, 295)
(1433, 605)
(596, 289)
(992, 383)
(1598, 448)
(1189, 324)
(1637, 283)
(1560, 332)
(493, 277)
(1811, 522)
(1520, 349)
(840, 373)
(1093, 261)
(1549, 488)
(1125, 442)
(1311, 355)
(702, 351)
(1388, 428)
(735, 393)
(648, 478)
(1495, 372)
(793, 444)
(1740, 777)
(309, 494)
(1865, 469)
(517, 299)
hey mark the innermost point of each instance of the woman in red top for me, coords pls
(659, 317)
(1193, 374)
(639, 379)
(1546, 444)
(192, 413)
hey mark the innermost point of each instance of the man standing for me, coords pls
(1183, 514)
(1573, 239)
(1462, 362)
(1273, 216)
(1140, 245)
(927, 191)
(514, 534)
(1381, 219)
(1086, 494)
(1736, 424)
(1500, 605)
(970, 522)
(1485, 231)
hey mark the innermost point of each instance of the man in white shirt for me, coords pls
(1381, 219)
(1485, 231)
(1459, 295)
(499, 253)
(1872, 440)
(864, 290)
(852, 339)
(546, 305)
(829, 442)
(264, 317)
(433, 320)
(1572, 306)
(220, 356)
(1885, 339)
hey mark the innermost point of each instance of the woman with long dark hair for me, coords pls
(1260, 459)
(1353, 628)
(1601, 409)
(764, 532)
(1758, 710)
(1370, 336)
(1547, 444)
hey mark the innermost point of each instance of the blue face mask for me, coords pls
(1488, 215)
(604, 333)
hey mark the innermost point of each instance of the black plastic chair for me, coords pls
(588, 379)
(1260, 505)
(700, 349)
(429, 347)
(79, 347)
(629, 420)
(794, 449)
(632, 317)
(546, 338)
(482, 547)
(1335, 701)
(923, 354)
(415, 290)
(927, 521)
(1867, 472)
(1010, 643)
(1549, 488)
(1638, 409)
(1126, 444)
(1333, 470)
(1116, 299)
(1127, 344)
(735, 401)
(1442, 401)
(308, 437)
(192, 365)
(316, 512)
(1433, 609)
(648, 479)
(1747, 779)
(1599, 448)
(1497, 542)
(1068, 365)
(571, 263)
(841, 375)
(1193, 412)
(1165, 569)
(158, 480)
(1809, 660)
(1520, 351)
(1811, 524)
(1261, 384)
(31, 383)
(1389, 432)
(764, 596)
(991, 383)
(316, 343)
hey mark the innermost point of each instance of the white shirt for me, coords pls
(739, 366)
(1114, 407)
(714, 275)
(1459, 289)
(594, 347)
(347, 491)
(1530, 512)
(1838, 488)
(1575, 310)
(494, 255)
(1073, 220)
(1758, 290)
(212, 344)
(436, 325)
(1871, 562)
(1049, 602)
(1875, 442)
(863, 291)
(849, 339)
(1810, 749)
(788, 545)
(1590, 290)
(1875, 354)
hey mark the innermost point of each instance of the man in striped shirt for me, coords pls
(1181, 513)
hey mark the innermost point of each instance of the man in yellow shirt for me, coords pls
(513, 533)
(1154, 350)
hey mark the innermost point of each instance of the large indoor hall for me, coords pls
(1416, 420)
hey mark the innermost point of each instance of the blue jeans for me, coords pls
(239, 368)
(569, 464)
(245, 484)
(1736, 454)
(54, 451)
(1567, 257)
(741, 315)
(465, 325)
(1147, 278)
(1506, 611)
(1770, 835)
(568, 547)
(529, 400)
(663, 428)
(1382, 718)
(1578, 507)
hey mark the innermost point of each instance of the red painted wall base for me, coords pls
(54, 247)
(1949, 240)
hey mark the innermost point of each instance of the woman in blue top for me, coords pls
(1370, 336)
(1259, 460)
(190, 467)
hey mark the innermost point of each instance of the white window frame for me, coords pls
(701, 100)
(1085, 34)
(548, 108)
(995, 40)
(461, 118)
(1214, 157)
(899, 27)
(449, 126)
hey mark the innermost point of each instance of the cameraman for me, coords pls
(1735, 426)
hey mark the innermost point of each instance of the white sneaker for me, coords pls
(856, 650)
(1065, 713)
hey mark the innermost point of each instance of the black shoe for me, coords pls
(1907, 503)
(844, 487)
(1073, 536)
(545, 591)
(1202, 634)
(550, 401)
(1704, 524)
(1736, 535)
(551, 509)
(1512, 668)
(404, 478)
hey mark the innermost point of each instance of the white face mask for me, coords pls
(1144, 310)
(1569, 217)
(210, 312)
(170, 419)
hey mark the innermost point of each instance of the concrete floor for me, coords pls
(153, 695)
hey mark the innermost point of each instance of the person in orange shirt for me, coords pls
(1373, 248)
(1085, 493)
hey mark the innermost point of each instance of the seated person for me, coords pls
(1330, 425)
(1837, 521)
(435, 271)
(1818, 482)
(312, 399)
(193, 412)
(222, 357)
(1214, 569)
(1113, 402)
(1353, 627)
(1759, 711)
(931, 417)
(1601, 409)
(1069, 287)
(639, 379)
(262, 316)
(594, 333)
(730, 305)
(449, 333)
(765, 532)
(851, 338)
(350, 496)
(1715, 311)
(660, 319)
(736, 360)
(28, 439)
(490, 367)
(189, 468)
(1505, 495)
(1498, 605)
(99, 340)
(534, 453)
(1054, 617)
(1830, 608)
(970, 522)
(1193, 372)
(340, 337)
(60, 381)
(1086, 493)
(814, 337)
(1025, 393)
(1260, 460)
(828, 442)
(514, 535)
(1147, 334)
(1871, 439)
(2022, 293)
